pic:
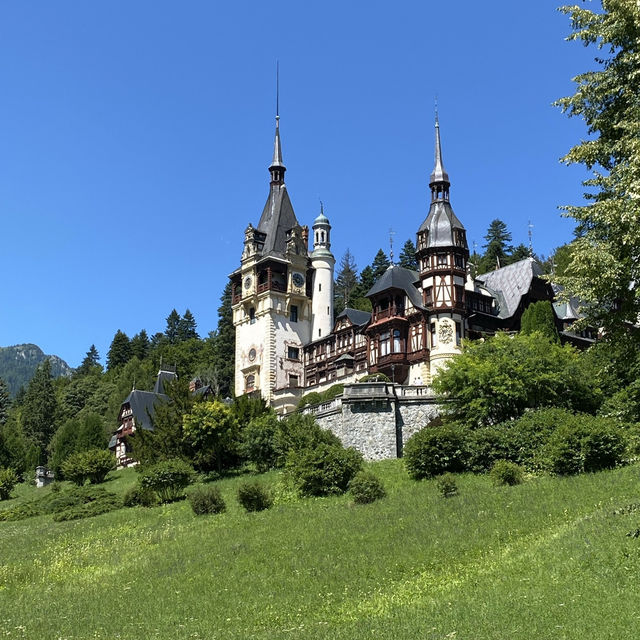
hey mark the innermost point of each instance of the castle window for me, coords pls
(319, 333)
(458, 333)
(442, 259)
(459, 262)
(434, 335)
(322, 235)
(249, 383)
(293, 313)
(384, 343)
(397, 344)
(428, 295)
(319, 286)
(294, 381)
(293, 353)
(252, 315)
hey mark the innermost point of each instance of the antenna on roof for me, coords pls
(391, 234)
(530, 240)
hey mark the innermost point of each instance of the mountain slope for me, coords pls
(19, 362)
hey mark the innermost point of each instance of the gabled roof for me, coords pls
(277, 218)
(355, 316)
(163, 376)
(511, 283)
(440, 223)
(567, 309)
(397, 277)
(143, 404)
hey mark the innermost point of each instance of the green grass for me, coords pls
(546, 559)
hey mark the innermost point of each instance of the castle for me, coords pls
(288, 342)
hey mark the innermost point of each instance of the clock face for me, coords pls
(247, 282)
(298, 279)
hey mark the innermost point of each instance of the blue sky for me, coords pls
(135, 139)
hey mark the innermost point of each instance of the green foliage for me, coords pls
(119, 351)
(539, 317)
(223, 343)
(323, 470)
(298, 433)
(346, 281)
(380, 264)
(245, 408)
(63, 444)
(173, 327)
(212, 433)
(140, 345)
(408, 256)
(488, 444)
(259, 442)
(168, 479)
(315, 397)
(365, 487)
(505, 472)
(563, 452)
(139, 496)
(447, 485)
(8, 480)
(253, 496)
(95, 507)
(497, 248)
(5, 402)
(603, 447)
(206, 500)
(375, 377)
(433, 451)
(187, 327)
(502, 377)
(92, 465)
(604, 269)
(310, 399)
(91, 362)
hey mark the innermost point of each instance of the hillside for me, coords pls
(547, 559)
(19, 362)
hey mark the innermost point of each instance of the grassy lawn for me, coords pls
(547, 559)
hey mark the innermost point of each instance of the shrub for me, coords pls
(433, 451)
(563, 453)
(323, 470)
(139, 496)
(205, 500)
(168, 479)
(333, 392)
(505, 472)
(254, 497)
(8, 480)
(92, 465)
(365, 487)
(603, 447)
(308, 399)
(487, 445)
(447, 485)
(105, 503)
(259, 443)
(297, 433)
(375, 377)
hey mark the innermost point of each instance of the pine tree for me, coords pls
(91, 360)
(366, 279)
(5, 402)
(497, 249)
(187, 327)
(173, 326)
(119, 351)
(140, 345)
(380, 264)
(408, 256)
(346, 280)
(539, 316)
(518, 253)
(224, 346)
(40, 409)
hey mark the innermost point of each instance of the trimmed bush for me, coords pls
(138, 496)
(365, 487)
(603, 447)
(563, 453)
(323, 470)
(106, 502)
(433, 451)
(487, 445)
(447, 485)
(206, 500)
(309, 399)
(254, 497)
(168, 479)
(505, 472)
(92, 465)
(8, 480)
(375, 377)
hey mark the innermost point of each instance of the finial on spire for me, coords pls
(439, 180)
(321, 207)
(530, 239)
(277, 92)
(391, 234)
(277, 167)
(436, 106)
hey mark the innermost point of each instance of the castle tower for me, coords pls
(322, 263)
(442, 254)
(271, 295)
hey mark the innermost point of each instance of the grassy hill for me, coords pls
(546, 559)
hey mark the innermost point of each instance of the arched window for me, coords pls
(250, 383)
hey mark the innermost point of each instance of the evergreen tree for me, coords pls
(40, 409)
(224, 346)
(5, 402)
(173, 326)
(140, 345)
(92, 434)
(346, 280)
(380, 264)
(497, 249)
(605, 263)
(539, 316)
(366, 279)
(408, 256)
(91, 360)
(518, 253)
(63, 444)
(119, 351)
(187, 327)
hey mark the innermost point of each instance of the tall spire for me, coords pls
(439, 180)
(277, 167)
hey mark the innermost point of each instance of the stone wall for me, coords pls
(377, 418)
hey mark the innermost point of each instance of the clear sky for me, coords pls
(135, 138)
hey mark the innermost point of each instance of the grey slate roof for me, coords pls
(567, 309)
(163, 376)
(440, 223)
(355, 316)
(397, 277)
(143, 405)
(511, 283)
(438, 174)
(277, 218)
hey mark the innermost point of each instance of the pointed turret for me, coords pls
(277, 167)
(439, 180)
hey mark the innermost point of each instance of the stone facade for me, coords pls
(377, 418)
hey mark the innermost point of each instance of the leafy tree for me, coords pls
(172, 332)
(90, 362)
(119, 351)
(40, 409)
(502, 377)
(187, 327)
(346, 280)
(5, 402)
(140, 345)
(408, 256)
(497, 248)
(539, 316)
(380, 264)
(605, 257)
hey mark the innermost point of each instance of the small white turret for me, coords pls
(323, 263)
